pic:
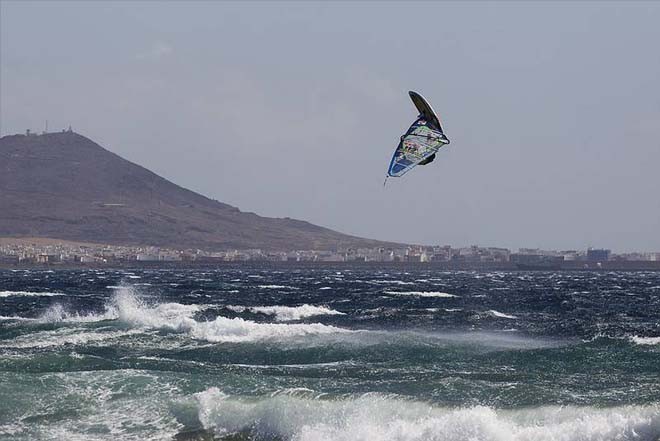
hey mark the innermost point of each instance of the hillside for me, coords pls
(65, 186)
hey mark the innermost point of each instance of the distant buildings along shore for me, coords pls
(57, 253)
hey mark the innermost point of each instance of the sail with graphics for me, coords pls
(421, 142)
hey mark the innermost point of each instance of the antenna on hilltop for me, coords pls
(46, 128)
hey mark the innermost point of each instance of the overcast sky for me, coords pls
(294, 109)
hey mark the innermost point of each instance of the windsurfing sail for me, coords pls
(421, 142)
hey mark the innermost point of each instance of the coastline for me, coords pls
(441, 266)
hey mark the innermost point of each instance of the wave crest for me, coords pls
(651, 341)
(421, 293)
(29, 294)
(374, 417)
(126, 307)
(498, 314)
(287, 313)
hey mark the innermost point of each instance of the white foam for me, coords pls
(501, 314)
(645, 340)
(296, 366)
(130, 309)
(373, 417)
(138, 316)
(64, 336)
(288, 313)
(421, 293)
(177, 317)
(29, 294)
(126, 307)
(237, 330)
(276, 287)
(109, 405)
(13, 317)
(57, 313)
(391, 282)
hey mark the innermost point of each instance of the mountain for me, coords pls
(65, 186)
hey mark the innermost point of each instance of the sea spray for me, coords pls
(117, 364)
(375, 417)
(127, 307)
(421, 294)
(287, 313)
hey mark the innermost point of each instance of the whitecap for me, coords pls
(390, 282)
(14, 318)
(64, 336)
(127, 308)
(501, 314)
(125, 304)
(421, 293)
(238, 330)
(288, 313)
(130, 310)
(374, 417)
(29, 294)
(645, 340)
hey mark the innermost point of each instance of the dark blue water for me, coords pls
(329, 354)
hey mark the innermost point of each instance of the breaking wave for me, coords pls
(421, 293)
(236, 330)
(390, 282)
(65, 336)
(645, 340)
(375, 417)
(498, 314)
(29, 294)
(126, 307)
(287, 313)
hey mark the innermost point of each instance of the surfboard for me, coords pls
(425, 109)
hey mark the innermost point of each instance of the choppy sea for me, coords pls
(329, 354)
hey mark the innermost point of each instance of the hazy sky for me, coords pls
(294, 109)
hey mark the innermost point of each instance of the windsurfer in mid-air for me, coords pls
(419, 145)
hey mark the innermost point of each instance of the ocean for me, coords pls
(329, 353)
